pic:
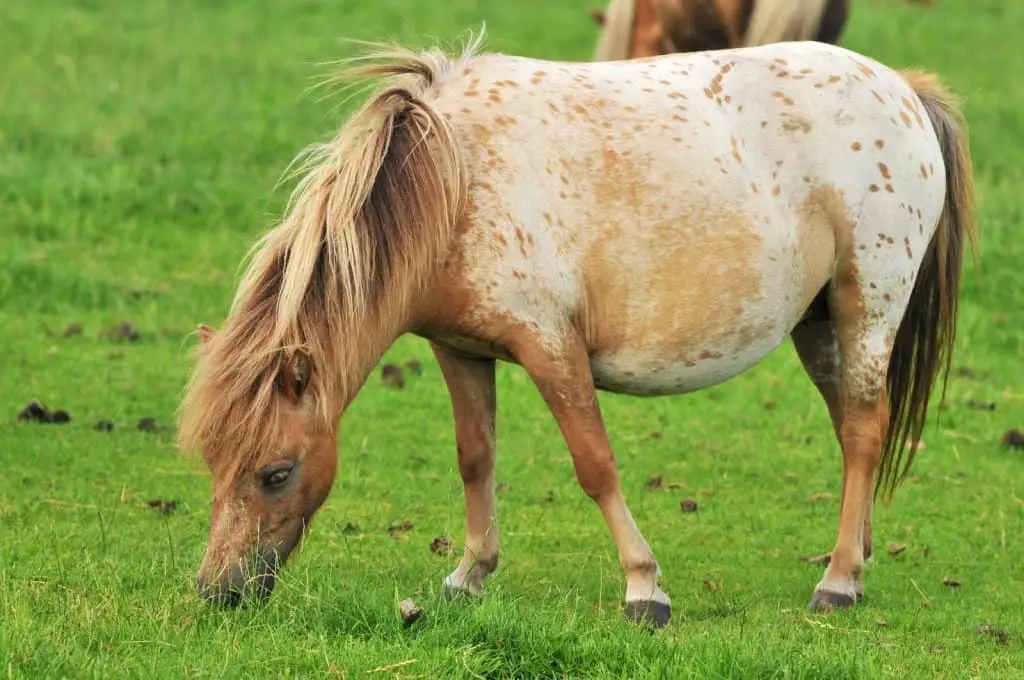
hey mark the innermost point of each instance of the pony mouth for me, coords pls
(231, 594)
(246, 581)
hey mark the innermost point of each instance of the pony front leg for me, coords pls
(471, 386)
(562, 374)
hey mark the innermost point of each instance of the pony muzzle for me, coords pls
(245, 581)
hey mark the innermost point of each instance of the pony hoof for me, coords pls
(649, 613)
(456, 594)
(824, 600)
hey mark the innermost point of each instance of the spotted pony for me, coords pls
(645, 227)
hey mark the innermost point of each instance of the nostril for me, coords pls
(229, 598)
(222, 594)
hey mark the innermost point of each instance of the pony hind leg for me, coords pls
(817, 346)
(561, 371)
(864, 319)
(471, 387)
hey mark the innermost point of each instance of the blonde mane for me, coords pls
(617, 32)
(366, 225)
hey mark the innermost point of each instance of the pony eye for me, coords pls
(275, 476)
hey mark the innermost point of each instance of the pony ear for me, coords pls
(295, 375)
(598, 16)
(205, 333)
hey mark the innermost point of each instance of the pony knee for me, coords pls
(597, 478)
(475, 464)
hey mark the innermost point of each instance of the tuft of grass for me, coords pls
(139, 149)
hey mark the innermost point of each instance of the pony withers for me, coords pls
(645, 227)
(644, 28)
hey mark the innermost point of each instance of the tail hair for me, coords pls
(923, 347)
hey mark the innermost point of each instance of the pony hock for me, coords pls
(644, 227)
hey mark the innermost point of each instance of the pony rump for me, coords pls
(366, 225)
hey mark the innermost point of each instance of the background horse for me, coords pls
(641, 227)
(643, 28)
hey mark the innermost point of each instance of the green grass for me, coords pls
(139, 147)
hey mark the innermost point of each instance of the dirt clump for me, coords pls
(441, 546)
(162, 506)
(149, 425)
(1013, 439)
(123, 332)
(37, 412)
(409, 611)
(392, 376)
(653, 483)
(998, 634)
(895, 549)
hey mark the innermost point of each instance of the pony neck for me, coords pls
(369, 345)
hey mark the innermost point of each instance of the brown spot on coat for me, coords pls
(865, 69)
(793, 123)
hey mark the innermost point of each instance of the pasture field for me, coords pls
(140, 144)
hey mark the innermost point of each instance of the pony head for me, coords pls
(273, 466)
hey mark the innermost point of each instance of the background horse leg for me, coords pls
(833, 21)
(562, 375)
(818, 348)
(471, 386)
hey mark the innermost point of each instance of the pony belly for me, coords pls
(665, 371)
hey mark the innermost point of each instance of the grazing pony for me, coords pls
(644, 28)
(644, 227)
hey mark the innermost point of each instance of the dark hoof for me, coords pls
(823, 600)
(649, 613)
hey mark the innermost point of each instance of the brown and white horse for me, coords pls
(644, 227)
(644, 28)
